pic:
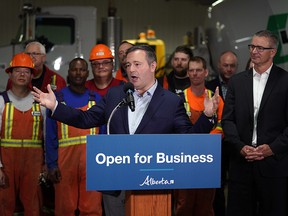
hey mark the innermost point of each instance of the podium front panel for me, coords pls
(154, 161)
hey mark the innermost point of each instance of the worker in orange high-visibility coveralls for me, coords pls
(21, 122)
(197, 201)
(65, 149)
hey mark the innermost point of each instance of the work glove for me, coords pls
(54, 175)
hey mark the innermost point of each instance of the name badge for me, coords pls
(36, 113)
(53, 87)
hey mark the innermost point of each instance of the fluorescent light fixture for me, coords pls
(57, 63)
(211, 7)
(217, 2)
(243, 39)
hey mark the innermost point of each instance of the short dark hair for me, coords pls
(127, 42)
(78, 59)
(184, 49)
(199, 59)
(270, 35)
(150, 53)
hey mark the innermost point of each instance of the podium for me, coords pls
(148, 167)
(148, 203)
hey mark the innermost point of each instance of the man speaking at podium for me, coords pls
(157, 111)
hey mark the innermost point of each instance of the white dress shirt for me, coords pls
(259, 83)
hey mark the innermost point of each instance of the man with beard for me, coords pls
(177, 80)
(121, 73)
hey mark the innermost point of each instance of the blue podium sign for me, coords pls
(153, 161)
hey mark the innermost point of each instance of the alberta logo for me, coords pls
(149, 181)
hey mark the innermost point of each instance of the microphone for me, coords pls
(129, 89)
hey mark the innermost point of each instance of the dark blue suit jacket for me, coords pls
(164, 115)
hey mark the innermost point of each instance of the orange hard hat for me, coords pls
(100, 51)
(21, 60)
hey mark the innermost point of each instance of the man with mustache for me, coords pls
(177, 80)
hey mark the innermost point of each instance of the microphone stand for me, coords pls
(120, 104)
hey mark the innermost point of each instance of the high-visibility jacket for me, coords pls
(120, 76)
(69, 135)
(21, 129)
(194, 106)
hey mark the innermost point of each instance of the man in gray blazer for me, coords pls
(255, 123)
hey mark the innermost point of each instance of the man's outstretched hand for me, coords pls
(47, 100)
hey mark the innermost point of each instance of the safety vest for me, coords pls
(53, 82)
(195, 113)
(120, 76)
(69, 135)
(21, 129)
(165, 82)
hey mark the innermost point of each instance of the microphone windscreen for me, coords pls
(128, 86)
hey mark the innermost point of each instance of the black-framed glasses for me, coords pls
(104, 64)
(258, 48)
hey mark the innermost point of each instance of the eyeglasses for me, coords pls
(24, 72)
(104, 64)
(34, 53)
(258, 48)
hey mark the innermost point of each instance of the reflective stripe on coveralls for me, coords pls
(188, 108)
(65, 138)
(9, 139)
(22, 157)
(70, 192)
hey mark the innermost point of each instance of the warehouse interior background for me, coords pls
(171, 19)
(230, 24)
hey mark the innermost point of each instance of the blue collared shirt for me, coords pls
(141, 105)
